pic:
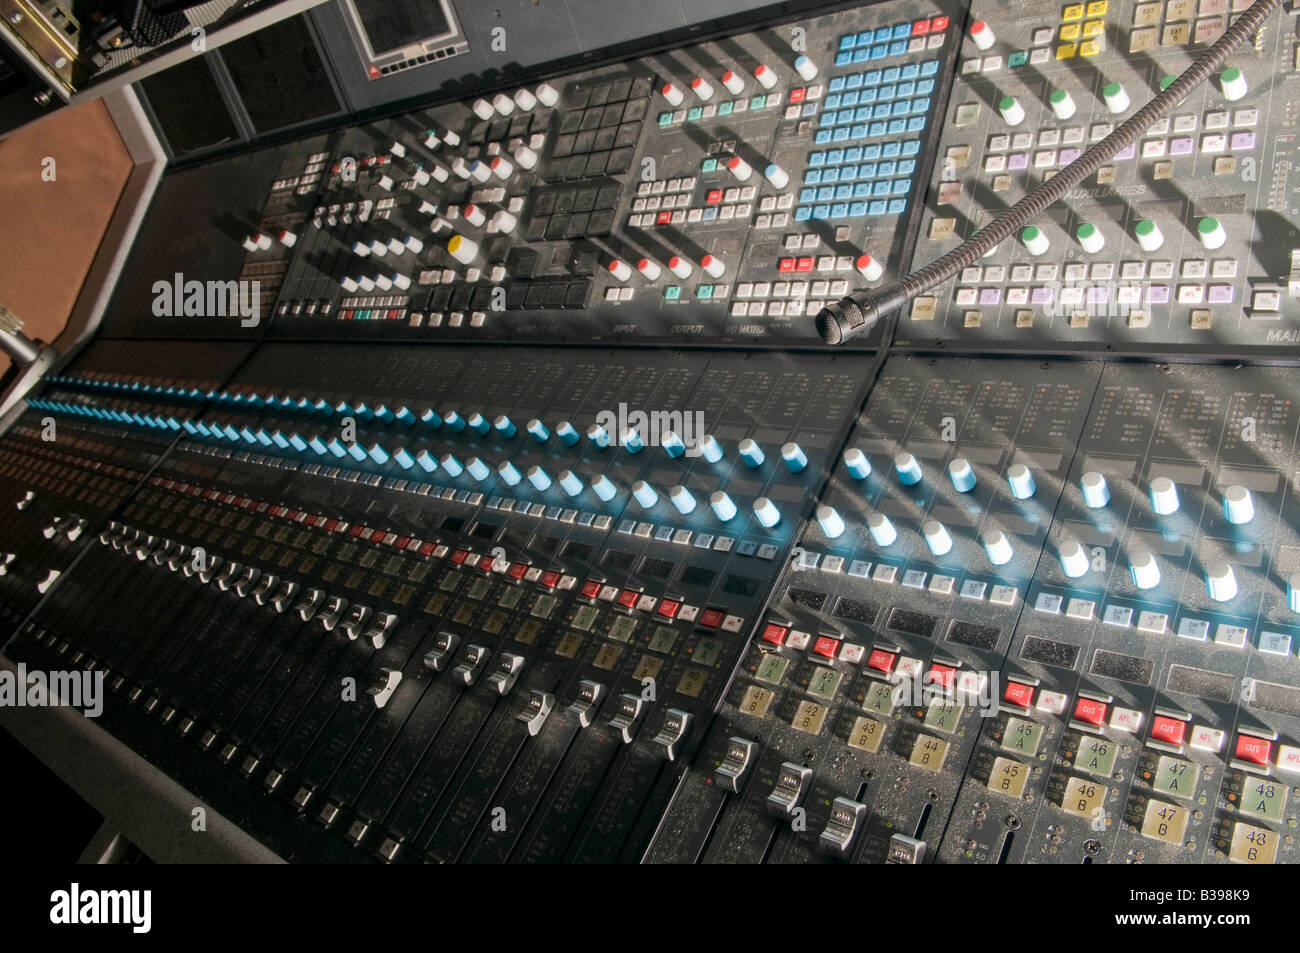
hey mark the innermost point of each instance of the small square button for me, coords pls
(1254, 750)
(1090, 712)
(1018, 694)
(882, 661)
(775, 634)
(1052, 702)
(1207, 739)
(826, 647)
(1171, 731)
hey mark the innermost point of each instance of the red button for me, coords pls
(797, 95)
(590, 589)
(1089, 711)
(1169, 730)
(882, 661)
(459, 556)
(804, 264)
(826, 647)
(485, 563)
(627, 598)
(938, 23)
(1255, 750)
(550, 579)
(428, 548)
(920, 28)
(712, 618)
(714, 196)
(402, 542)
(517, 570)
(664, 218)
(775, 633)
(378, 536)
(355, 531)
(785, 265)
(1018, 694)
(942, 675)
(668, 608)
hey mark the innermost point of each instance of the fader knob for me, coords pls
(1233, 83)
(502, 167)
(856, 462)
(673, 95)
(477, 469)
(526, 157)
(794, 457)
(483, 109)
(620, 269)
(751, 453)
(936, 537)
(547, 94)
(723, 506)
(650, 270)
(1149, 236)
(538, 429)
(503, 104)
(1238, 507)
(1211, 233)
(881, 529)
(1012, 112)
(1144, 569)
(567, 433)
(1220, 580)
(1090, 238)
(1062, 103)
(525, 100)
(1164, 496)
(1021, 481)
(1116, 98)
(997, 546)
(830, 521)
(510, 473)
(982, 34)
(909, 471)
(709, 448)
(1034, 240)
(733, 82)
(1074, 560)
(463, 249)
(1095, 492)
(683, 499)
(604, 488)
(713, 265)
(766, 511)
(680, 267)
(644, 494)
(765, 75)
(504, 426)
(474, 214)
(741, 169)
(805, 67)
(962, 474)
(702, 88)
(570, 482)
(869, 267)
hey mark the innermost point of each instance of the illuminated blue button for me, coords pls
(1021, 481)
(431, 419)
(357, 452)
(567, 433)
(404, 416)
(1238, 507)
(191, 428)
(403, 459)
(724, 508)
(295, 440)
(478, 423)
(644, 494)
(830, 522)
(245, 434)
(936, 537)
(751, 453)
(794, 457)
(378, 454)
(709, 448)
(451, 465)
(504, 426)
(539, 478)
(909, 471)
(672, 444)
(604, 488)
(599, 436)
(632, 441)
(477, 469)
(682, 499)
(570, 482)
(766, 512)
(856, 462)
(424, 460)
(962, 474)
(336, 448)
(262, 436)
(1095, 492)
(881, 529)
(454, 421)
(539, 431)
(509, 472)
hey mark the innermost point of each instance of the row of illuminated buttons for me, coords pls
(1148, 14)
(883, 51)
(939, 584)
(852, 209)
(872, 94)
(725, 213)
(685, 537)
(1192, 268)
(1176, 34)
(1211, 144)
(1198, 630)
(660, 186)
(867, 153)
(854, 82)
(777, 309)
(872, 130)
(849, 193)
(792, 289)
(729, 108)
(899, 31)
(851, 173)
(597, 590)
(1094, 295)
(865, 114)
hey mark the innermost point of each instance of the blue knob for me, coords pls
(477, 469)
(510, 473)
(539, 478)
(1021, 481)
(632, 441)
(1238, 507)
(479, 424)
(378, 454)
(709, 448)
(299, 444)
(682, 499)
(881, 529)
(364, 412)
(570, 483)
(766, 512)
(724, 508)
(599, 436)
(262, 436)
(245, 434)
(336, 448)
(404, 416)
(856, 462)
(751, 453)
(505, 426)
(830, 522)
(567, 433)
(794, 457)
(1095, 492)
(645, 494)
(672, 444)
(454, 421)
(357, 452)
(230, 432)
(191, 428)
(431, 419)
(962, 474)
(403, 459)
(384, 415)
(451, 465)
(604, 488)
(278, 438)
(909, 471)
(424, 460)
(538, 430)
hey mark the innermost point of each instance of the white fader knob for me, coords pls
(936, 537)
(1238, 507)
(1062, 103)
(881, 529)
(1074, 560)
(679, 266)
(1233, 83)
(673, 95)
(1211, 232)
(1116, 98)
(732, 81)
(547, 94)
(982, 34)
(1148, 234)
(998, 547)
(1012, 112)
(1164, 496)
(702, 88)
(649, 269)
(1144, 569)
(462, 249)
(714, 266)
(503, 104)
(620, 269)
(483, 109)
(765, 75)
(1034, 240)
(741, 169)
(870, 268)
(777, 176)
(1090, 238)
(805, 67)
(525, 100)
(1220, 580)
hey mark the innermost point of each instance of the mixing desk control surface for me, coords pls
(469, 484)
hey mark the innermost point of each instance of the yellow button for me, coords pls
(453, 243)
(1097, 8)
(1070, 31)
(1065, 51)
(1073, 12)
(1090, 47)
(1093, 27)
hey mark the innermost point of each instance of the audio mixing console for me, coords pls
(470, 483)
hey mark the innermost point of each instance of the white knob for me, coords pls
(732, 81)
(504, 222)
(1233, 83)
(998, 547)
(1034, 240)
(463, 249)
(741, 169)
(673, 95)
(502, 168)
(982, 34)
(649, 269)
(503, 104)
(870, 268)
(620, 270)
(1062, 103)
(1238, 507)
(714, 266)
(881, 529)
(702, 88)
(526, 157)
(525, 100)
(1095, 492)
(765, 75)
(1164, 496)
(1116, 98)
(1211, 232)
(547, 94)
(777, 176)
(1149, 236)
(483, 109)
(1012, 112)
(1074, 560)
(1144, 569)
(680, 266)
(1090, 238)
(473, 214)
(936, 537)
(1220, 581)
(805, 67)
